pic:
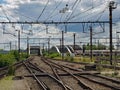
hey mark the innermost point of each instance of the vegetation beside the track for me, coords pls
(69, 58)
(6, 83)
(9, 59)
(6, 59)
(85, 59)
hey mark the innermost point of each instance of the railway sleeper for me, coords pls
(83, 85)
(58, 81)
(101, 83)
(43, 85)
(107, 78)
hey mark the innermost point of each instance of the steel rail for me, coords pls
(107, 78)
(79, 70)
(101, 83)
(66, 87)
(81, 83)
(42, 84)
(57, 80)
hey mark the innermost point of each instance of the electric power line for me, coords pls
(53, 11)
(43, 10)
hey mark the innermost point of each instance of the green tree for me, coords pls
(96, 47)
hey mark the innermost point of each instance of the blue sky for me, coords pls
(2, 1)
(56, 10)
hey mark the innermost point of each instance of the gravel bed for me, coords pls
(21, 71)
(38, 62)
(51, 83)
(73, 65)
(68, 80)
(32, 84)
(103, 80)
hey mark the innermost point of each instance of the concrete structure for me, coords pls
(68, 49)
(36, 50)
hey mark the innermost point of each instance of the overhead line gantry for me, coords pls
(52, 22)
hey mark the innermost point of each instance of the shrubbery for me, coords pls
(23, 56)
(53, 55)
(6, 59)
(10, 58)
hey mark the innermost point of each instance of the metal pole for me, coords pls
(16, 48)
(10, 46)
(98, 45)
(91, 43)
(111, 7)
(110, 19)
(48, 45)
(74, 41)
(27, 46)
(18, 45)
(117, 42)
(62, 45)
(43, 47)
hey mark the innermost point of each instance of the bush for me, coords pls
(11, 70)
(9, 59)
(6, 59)
(15, 53)
(45, 53)
(53, 55)
(69, 58)
(23, 55)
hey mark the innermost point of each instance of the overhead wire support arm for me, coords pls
(20, 22)
(40, 38)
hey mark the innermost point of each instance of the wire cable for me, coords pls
(74, 7)
(43, 10)
(86, 11)
(5, 14)
(52, 12)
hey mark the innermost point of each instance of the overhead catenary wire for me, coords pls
(101, 14)
(73, 8)
(53, 11)
(97, 15)
(26, 17)
(5, 14)
(43, 10)
(89, 11)
(19, 13)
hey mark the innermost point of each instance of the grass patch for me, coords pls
(110, 72)
(84, 59)
(6, 83)
(75, 59)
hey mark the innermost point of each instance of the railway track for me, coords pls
(46, 74)
(113, 84)
(117, 67)
(44, 82)
(100, 80)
